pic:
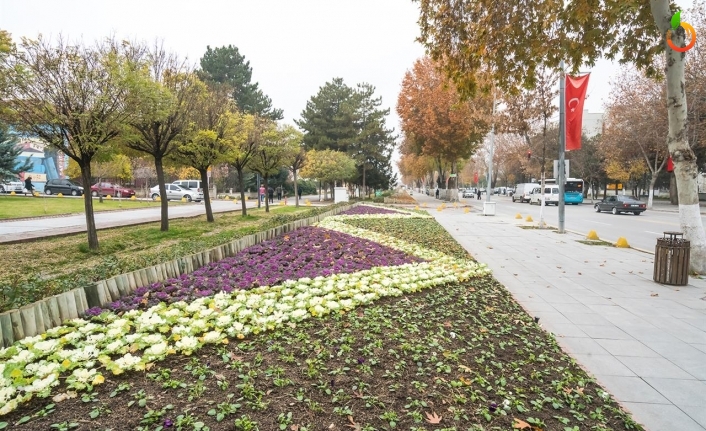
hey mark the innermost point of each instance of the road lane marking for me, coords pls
(591, 221)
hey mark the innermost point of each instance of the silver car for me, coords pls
(175, 192)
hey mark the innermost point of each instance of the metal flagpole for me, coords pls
(562, 146)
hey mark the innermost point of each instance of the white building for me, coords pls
(592, 123)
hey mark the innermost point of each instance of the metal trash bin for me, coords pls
(672, 259)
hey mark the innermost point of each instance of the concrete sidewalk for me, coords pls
(644, 342)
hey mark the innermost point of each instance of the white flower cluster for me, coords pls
(80, 349)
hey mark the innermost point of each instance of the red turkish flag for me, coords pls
(670, 164)
(574, 97)
(475, 177)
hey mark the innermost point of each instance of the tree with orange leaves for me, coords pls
(436, 122)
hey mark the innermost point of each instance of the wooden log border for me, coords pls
(36, 318)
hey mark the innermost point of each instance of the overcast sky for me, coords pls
(294, 46)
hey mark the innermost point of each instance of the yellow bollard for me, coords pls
(183, 199)
(109, 197)
(416, 207)
(592, 235)
(246, 198)
(518, 216)
(622, 243)
(440, 208)
(227, 198)
(466, 210)
(12, 193)
(529, 218)
(59, 195)
(158, 199)
(133, 198)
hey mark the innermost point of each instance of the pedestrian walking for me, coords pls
(299, 192)
(478, 193)
(279, 193)
(437, 193)
(29, 186)
(271, 193)
(262, 194)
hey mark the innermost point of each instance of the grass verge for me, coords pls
(595, 242)
(12, 207)
(38, 269)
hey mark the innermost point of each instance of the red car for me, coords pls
(114, 190)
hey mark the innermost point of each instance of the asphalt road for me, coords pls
(12, 231)
(640, 231)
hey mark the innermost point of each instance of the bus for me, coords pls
(573, 190)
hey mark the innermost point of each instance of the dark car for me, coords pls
(621, 204)
(114, 190)
(65, 187)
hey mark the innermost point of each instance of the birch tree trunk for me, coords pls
(684, 159)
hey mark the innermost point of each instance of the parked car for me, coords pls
(12, 186)
(176, 192)
(195, 185)
(522, 192)
(112, 189)
(551, 195)
(64, 187)
(469, 193)
(621, 204)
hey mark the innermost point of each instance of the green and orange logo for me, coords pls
(691, 33)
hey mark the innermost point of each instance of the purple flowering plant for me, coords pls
(306, 252)
(365, 209)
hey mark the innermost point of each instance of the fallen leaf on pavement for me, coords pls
(433, 418)
(655, 294)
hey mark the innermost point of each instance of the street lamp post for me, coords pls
(490, 162)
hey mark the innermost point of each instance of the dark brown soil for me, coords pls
(457, 352)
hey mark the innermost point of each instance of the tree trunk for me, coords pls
(673, 195)
(363, 177)
(650, 192)
(244, 208)
(333, 191)
(88, 206)
(164, 201)
(684, 159)
(296, 193)
(206, 195)
(267, 194)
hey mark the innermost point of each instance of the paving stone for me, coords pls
(654, 367)
(610, 332)
(632, 389)
(628, 348)
(662, 417)
(689, 392)
(606, 365)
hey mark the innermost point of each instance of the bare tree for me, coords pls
(74, 97)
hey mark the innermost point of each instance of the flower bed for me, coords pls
(368, 209)
(463, 355)
(307, 252)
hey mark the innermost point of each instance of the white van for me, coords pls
(194, 185)
(551, 195)
(522, 192)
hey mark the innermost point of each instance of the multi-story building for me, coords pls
(592, 123)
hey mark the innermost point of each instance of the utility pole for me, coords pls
(562, 146)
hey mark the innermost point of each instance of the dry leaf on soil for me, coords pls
(433, 418)
(520, 424)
